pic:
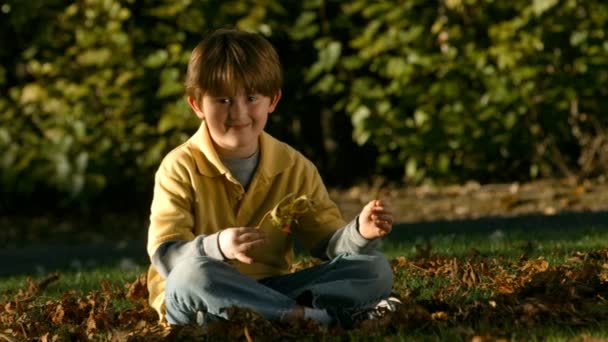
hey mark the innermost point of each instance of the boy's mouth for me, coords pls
(237, 125)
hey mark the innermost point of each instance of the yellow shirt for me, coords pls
(194, 194)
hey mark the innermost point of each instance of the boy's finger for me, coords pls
(381, 211)
(252, 236)
(250, 244)
(242, 257)
(379, 208)
(367, 210)
(384, 230)
(370, 206)
(384, 217)
(383, 224)
(383, 205)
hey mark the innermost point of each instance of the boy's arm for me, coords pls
(170, 253)
(345, 240)
(319, 230)
(170, 235)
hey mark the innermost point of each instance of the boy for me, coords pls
(210, 247)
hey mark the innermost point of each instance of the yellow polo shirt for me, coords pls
(194, 194)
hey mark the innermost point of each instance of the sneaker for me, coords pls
(381, 309)
(200, 318)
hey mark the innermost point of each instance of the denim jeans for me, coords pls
(341, 286)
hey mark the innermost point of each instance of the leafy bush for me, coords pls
(96, 97)
(91, 93)
(471, 89)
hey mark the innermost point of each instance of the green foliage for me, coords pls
(96, 95)
(73, 111)
(471, 89)
(91, 93)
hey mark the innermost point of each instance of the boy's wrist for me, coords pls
(219, 246)
(210, 247)
(359, 226)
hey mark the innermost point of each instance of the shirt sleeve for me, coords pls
(170, 253)
(345, 240)
(325, 219)
(171, 213)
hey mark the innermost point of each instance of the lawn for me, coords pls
(499, 282)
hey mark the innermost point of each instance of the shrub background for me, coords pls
(91, 93)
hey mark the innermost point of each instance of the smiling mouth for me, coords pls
(237, 126)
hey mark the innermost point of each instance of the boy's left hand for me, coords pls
(376, 219)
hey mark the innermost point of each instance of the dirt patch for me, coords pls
(473, 200)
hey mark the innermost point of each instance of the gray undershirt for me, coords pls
(243, 169)
(345, 240)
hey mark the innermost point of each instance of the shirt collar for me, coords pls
(274, 155)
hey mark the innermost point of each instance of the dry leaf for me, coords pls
(139, 288)
(288, 211)
(58, 314)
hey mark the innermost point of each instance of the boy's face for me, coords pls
(235, 122)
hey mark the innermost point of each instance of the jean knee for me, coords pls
(374, 267)
(192, 272)
(380, 268)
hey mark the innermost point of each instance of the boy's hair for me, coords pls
(229, 60)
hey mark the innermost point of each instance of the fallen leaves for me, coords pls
(523, 294)
(72, 317)
(517, 294)
(138, 290)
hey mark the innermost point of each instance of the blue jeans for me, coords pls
(341, 286)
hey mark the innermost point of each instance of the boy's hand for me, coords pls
(236, 242)
(376, 219)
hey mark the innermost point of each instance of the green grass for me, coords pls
(511, 245)
(555, 246)
(81, 281)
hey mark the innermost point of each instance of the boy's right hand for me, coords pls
(237, 241)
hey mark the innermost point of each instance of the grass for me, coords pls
(554, 245)
(80, 281)
(436, 293)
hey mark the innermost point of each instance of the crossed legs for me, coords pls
(340, 286)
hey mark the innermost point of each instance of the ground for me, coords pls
(410, 205)
(473, 200)
(474, 296)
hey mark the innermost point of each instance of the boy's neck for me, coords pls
(230, 157)
(239, 154)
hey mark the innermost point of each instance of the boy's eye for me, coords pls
(223, 100)
(252, 98)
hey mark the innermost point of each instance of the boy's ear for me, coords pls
(195, 107)
(274, 101)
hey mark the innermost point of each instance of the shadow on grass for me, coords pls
(558, 226)
(40, 258)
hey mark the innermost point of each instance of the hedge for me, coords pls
(91, 93)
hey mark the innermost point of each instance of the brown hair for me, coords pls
(229, 60)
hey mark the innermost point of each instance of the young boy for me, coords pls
(209, 245)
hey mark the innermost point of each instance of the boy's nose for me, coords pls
(237, 108)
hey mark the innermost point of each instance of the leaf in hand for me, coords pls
(289, 210)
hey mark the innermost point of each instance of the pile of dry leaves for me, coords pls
(521, 294)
